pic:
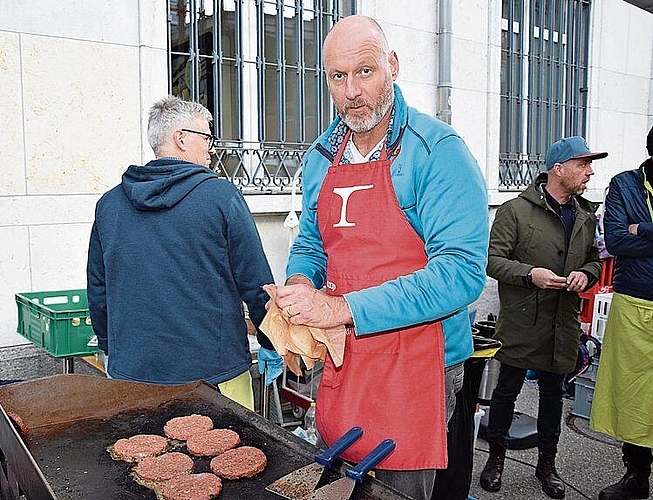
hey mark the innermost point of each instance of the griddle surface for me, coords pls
(75, 461)
(73, 419)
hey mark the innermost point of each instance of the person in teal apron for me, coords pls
(623, 399)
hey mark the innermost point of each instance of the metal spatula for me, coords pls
(344, 487)
(301, 482)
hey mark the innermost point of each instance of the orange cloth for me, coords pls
(299, 342)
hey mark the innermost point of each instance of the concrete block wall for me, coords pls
(412, 34)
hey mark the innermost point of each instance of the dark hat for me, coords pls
(649, 142)
(570, 148)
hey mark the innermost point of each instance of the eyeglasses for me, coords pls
(211, 140)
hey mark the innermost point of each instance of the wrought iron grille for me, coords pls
(544, 66)
(517, 171)
(258, 168)
(257, 66)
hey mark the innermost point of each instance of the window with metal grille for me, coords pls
(257, 66)
(544, 51)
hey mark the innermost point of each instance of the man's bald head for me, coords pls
(360, 70)
(360, 26)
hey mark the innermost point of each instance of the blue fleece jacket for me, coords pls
(442, 193)
(173, 254)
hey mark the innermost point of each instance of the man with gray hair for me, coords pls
(174, 253)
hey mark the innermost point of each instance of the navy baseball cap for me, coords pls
(570, 148)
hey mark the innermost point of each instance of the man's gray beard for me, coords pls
(385, 102)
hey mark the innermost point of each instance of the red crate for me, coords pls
(603, 285)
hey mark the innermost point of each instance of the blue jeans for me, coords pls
(502, 406)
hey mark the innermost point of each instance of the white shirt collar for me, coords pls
(355, 156)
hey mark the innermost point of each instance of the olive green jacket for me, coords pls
(539, 328)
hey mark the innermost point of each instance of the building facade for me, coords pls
(78, 79)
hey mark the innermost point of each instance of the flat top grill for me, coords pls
(72, 420)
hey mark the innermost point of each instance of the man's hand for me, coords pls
(577, 281)
(297, 279)
(632, 228)
(545, 278)
(305, 305)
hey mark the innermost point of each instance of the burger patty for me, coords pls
(182, 428)
(138, 447)
(211, 443)
(245, 461)
(163, 467)
(203, 486)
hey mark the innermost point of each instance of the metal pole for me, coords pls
(68, 365)
(265, 396)
(445, 32)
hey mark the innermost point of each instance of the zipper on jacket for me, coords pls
(537, 305)
(324, 152)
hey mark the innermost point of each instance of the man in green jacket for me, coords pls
(542, 252)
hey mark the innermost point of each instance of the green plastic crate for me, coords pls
(59, 322)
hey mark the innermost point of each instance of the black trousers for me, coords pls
(638, 457)
(502, 406)
(453, 482)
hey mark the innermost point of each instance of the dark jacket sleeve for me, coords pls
(592, 268)
(504, 236)
(645, 230)
(249, 264)
(96, 289)
(616, 220)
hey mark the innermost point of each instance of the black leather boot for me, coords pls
(634, 484)
(491, 475)
(546, 472)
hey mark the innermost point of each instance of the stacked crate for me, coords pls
(59, 322)
(602, 303)
(588, 298)
(584, 390)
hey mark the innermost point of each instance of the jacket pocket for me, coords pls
(524, 309)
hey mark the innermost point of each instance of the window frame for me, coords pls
(544, 82)
(249, 153)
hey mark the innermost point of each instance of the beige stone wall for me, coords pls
(74, 91)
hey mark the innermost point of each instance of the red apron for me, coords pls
(392, 383)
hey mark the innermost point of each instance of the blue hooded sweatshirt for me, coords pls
(173, 254)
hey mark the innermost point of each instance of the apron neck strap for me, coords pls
(343, 146)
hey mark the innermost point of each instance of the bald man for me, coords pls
(392, 244)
